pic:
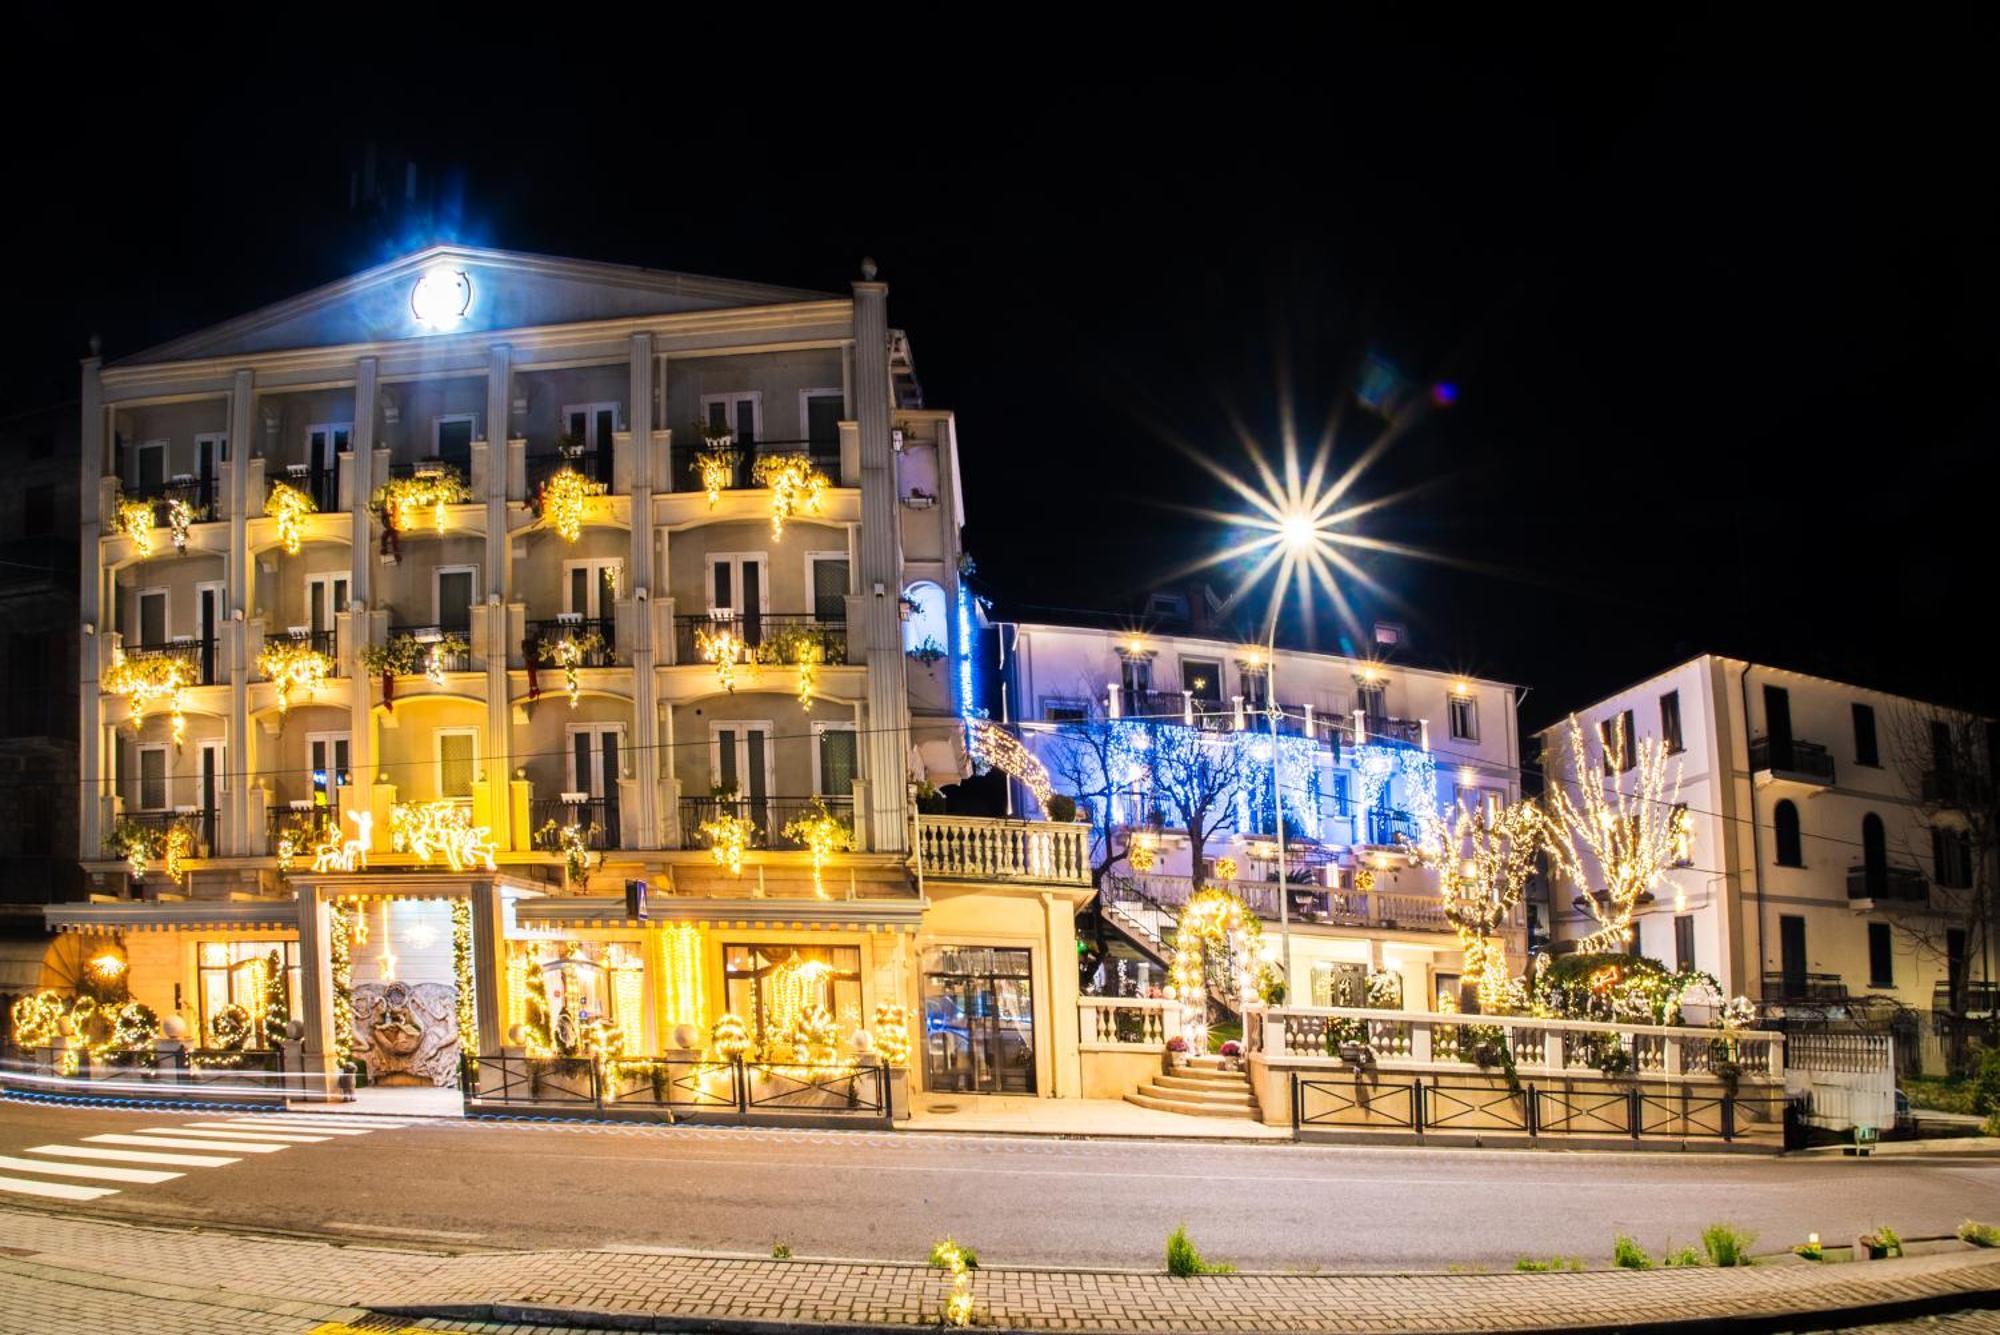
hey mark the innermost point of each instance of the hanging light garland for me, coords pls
(717, 466)
(340, 964)
(432, 830)
(135, 843)
(293, 665)
(823, 834)
(1483, 858)
(148, 679)
(461, 974)
(1215, 922)
(892, 1034)
(796, 487)
(1225, 869)
(135, 521)
(180, 520)
(994, 746)
(289, 506)
(792, 989)
(565, 500)
(731, 656)
(179, 848)
(567, 650)
(405, 502)
(573, 842)
(727, 837)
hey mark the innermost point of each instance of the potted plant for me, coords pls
(1880, 1245)
(919, 499)
(1177, 1050)
(929, 653)
(1232, 1054)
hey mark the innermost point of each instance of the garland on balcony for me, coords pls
(295, 837)
(432, 830)
(567, 649)
(293, 665)
(796, 487)
(823, 834)
(727, 837)
(573, 842)
(137, 844)
(565, 499)
(731, 1037)
(731, 656)
(403, 502)
(135, 521)
(405, 655)
(798, 646)
(289, 506)
(179, 846)
(149, 678)
(180, 519)
(715, 462)
(230, 1028)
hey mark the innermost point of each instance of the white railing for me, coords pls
(1126, 1024)
(979, 848)
(1539, 1047)
(1850, 1077)
(1385, 909)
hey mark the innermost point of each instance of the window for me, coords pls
(1881, 956)
(1370, 700)
(455, 590)
(1256, 686)
(1943, 759)
(1171, 606)
(1684, 836)
(326, 598)
(456, 753)
(152, 619)
(1951, 857)
(820, 412)
(1135, 679)
(1874, 857)
(927, 624)
(1866, 752)
(836, 761)
(826, 585)
(1464, 718)
(979, 1021)
(1785, 821)
(238, 973)
(740, 760)
(152, 778)
(590, 588)
(1670, 721)
(451, 441)
(742, 414)
(587, 979)
(1636, 946)
(1620, 743)
(1064, 709)
(150, 462)
(1202, 678)
(327, 755)
(772, 985)
(210, 449)
(1684, 941)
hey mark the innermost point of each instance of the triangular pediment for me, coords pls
(501, 290)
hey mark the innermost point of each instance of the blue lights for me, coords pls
(968, 702)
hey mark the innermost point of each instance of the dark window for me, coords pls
(1636, 946)
(1792, 954)
(1464, 719)
(1951, 855)
(1875, 856)
(1670, 720)
(1785, 820)
(1941, 750)
(1064, 711)
(1881, 956)
(1136, 676)
(1865, 750)
(979, 1021)
(1621, 743)
(1684, 941)
(1202, 678)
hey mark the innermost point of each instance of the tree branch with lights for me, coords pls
(1483, 857)
(1615, 842)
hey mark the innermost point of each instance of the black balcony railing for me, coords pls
(201, 653)
(768, 817)
(1382, 728)
(1387, 828)
(743, 456)
(597, 817)
(1955, 788)
(1804, 987)
(322, 484)
(203, 821)
(771, 637)
(593, 464)
(197, 492)
(312, 823)
(1975, 999)
(427, 635)
(1903, 885)
(325, 641)
(1807, 761)
(605, 628)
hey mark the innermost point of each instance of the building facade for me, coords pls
(602, 574)
(1827, 872)
(1362, 745)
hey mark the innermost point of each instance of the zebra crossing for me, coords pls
(150, 1155)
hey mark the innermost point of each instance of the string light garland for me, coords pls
(892, 1034)
(404, 655)
(293, 665)
(823, 834)
(1613, 844)
(573, 842)
(796, 487)
(717, 466)
(461, 976)
(341, 918)
(404, 502)
(731, 1037)
(179, 848)
(289, 507)
(792, 990)
(994, 746)
(1225, 869)
(1215, 923)
(385, 959)
(731, 656)
(180, 521)
(135, 843)
(149, 678)
(958, 1262)
(135, 521)
(1483, 857)
(728, 836)
(1375, 764)
(432, 830)
(565, 501)
(334, 854)
(567, 650)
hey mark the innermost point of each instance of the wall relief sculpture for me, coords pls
(407, 1032)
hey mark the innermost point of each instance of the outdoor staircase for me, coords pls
(1202, 1088)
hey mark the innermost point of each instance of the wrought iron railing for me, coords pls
(552, 629)
(597, 817)
(199, 653)
(197, 493)
(1805, 760)
(322, 484)
(743, 456)
(312, 821)
(203, 821)
(593, 464)
(1902, 885)
(768, 817)
(1804, 987)
(325, 641)
(427, 635)
(770, 637)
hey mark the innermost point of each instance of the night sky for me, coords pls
(1718, 303)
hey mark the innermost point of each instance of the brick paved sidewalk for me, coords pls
(43, 1256)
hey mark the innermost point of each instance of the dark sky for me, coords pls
(1718, 301)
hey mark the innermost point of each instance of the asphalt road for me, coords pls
(1019, 1200)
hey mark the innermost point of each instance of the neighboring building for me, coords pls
(726, 675)
(1827, 877)
(1361, 738)
(38, 678)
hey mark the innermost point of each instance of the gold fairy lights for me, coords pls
(728, 836)
(725, 648)
(565, 501)
(135, 521)
(823, 834)
(1615, 843)
(1216, 923)
(796, 487)
(1484, 857)
(567, 650)
(995, 746)
(148, 679)
(405, 502)
(429, 831)
(293, 665)
(289, 507)
(333, 853)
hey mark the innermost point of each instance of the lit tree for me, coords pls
(1614, 842)
(1083, 758)
(1483, 857)
(1196, 776)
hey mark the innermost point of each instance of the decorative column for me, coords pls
(640, 579)
(316, 991)
(499, 649)
(236, 841)
(489, 966)
(354, 631)
(887, 742)
(93, 773)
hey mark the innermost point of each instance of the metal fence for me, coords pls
(674, 1086)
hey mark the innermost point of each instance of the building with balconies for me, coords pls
(589, 575)
(1827, 874)
(1364, 744)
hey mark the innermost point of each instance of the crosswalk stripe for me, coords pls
(131, 1156)
(243, 1123)
(181, 1143)
(334, 1119)
(61, 1191)
(218, 1131)
(102, 1174)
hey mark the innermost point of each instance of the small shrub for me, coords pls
(1682, 1258)
(1529, 1265)
(1811, 1251)
(1991, 1126)
(1986, 1084)
(1231, 1048)
(1727, 1246)
(1979, 1235)
(781, 1251)
(1062, 807)
(943, 1252)
(1629, 1255)
(1882, 1243)
(1184, 1262)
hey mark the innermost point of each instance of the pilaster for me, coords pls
(498, 753)
(93, 773)
(639, 578)
(236, 599)
(887, 741)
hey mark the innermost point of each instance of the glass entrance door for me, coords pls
(979, 1021)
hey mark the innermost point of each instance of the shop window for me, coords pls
(771, 986)
(234, 973)
(979, 1021)
(592, 981)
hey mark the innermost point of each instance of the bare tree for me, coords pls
(1945, 760)
(1614, 842)
(1083, 758)
(1196, 777)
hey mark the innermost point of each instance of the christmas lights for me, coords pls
(179, 848)
(793, 990)
(573, 841)
(892, 1034)
(137, 844)
(293, 665)
(180, 519)
(403, 501)
(150, 678)
(1483, 858)
(992, 745)
(823, 834)
(289, 506)
(1216, 923)
(958, 1262)
(1615, 845)
(432, 830)
(135, 521)
(340, 966)
(331, 854)
(796, 487)
(1225, 869)
(565, 500)
(567, 650)
(727, 837)
(717, 466)
(731, 1037)
(726, 649)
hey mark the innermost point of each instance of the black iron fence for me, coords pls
(594, 464)
(676, 1086)
(324, 641)
(310, 823)
(199, 653)
(203, 821)
(766, 637)
(1680, 1112)
(426, 636)
(767, 817)
(597, 817)
(742, 458)
(604, 628)
(1807, 760)
(1904, 885)
(197, 493)
(322, 484)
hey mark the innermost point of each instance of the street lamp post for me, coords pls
(1271, 711)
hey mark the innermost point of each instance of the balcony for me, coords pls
(979, 848)
(1954, 788)
(322, 484)
(204, 821)
(307, 819)
(428, 635)
(593, 464)
(1804, 987)
(768, 817)
(1311, 904)
(605, 628)
(197, 493)
(1386, 829)
(1792, 761)
(1976, 1000)
(1887, 886)
(1402, 731)
(743, 456)
(597, 817)
(323, 641)
(201, 653)
(769, 637)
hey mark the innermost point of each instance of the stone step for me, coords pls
(1224, 1098)
(1203, 1085)
(1173, 1105)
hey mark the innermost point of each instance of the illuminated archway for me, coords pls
(1216, 924)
